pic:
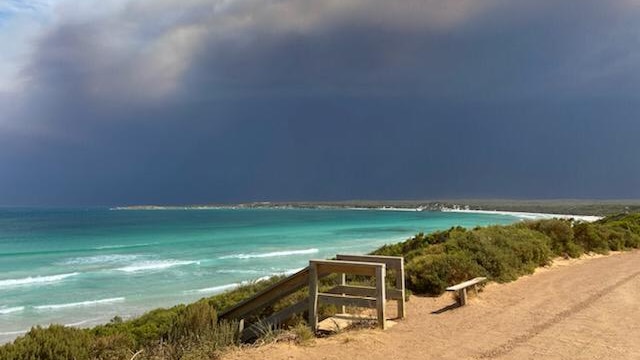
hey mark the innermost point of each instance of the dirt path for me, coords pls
(577, 309)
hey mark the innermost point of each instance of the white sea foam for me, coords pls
(286, 272)
(36, 280)
(101, 259)
(83, 322)
(156, 265)
(5, 311)
(293, 271)
(214, 289)
(238, 271)
(81, 303)
(19, 332)
(270, 254)
(121, 246)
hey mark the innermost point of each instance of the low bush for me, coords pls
(431, 274)
(561, 234)
(503, 253)
(55, 342)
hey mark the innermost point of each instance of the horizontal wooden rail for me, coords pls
(347, 300)
(392, 262)
(268, 296)
(342, 295)
(377, 270)
(392, 294)
(326, 267)
(395, 263)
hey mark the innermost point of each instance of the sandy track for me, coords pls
(576, 309)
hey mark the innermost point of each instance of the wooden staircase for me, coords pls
(341, 295)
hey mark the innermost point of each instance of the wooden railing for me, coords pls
(394, 263)
(267, 296)
(348, 295)
(341, 295)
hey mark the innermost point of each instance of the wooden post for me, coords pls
(400, 286)
(381, 296)
(313, 296)
(240, 330)
(462, 296)
(343, 282)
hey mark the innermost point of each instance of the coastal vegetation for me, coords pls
(433, 262)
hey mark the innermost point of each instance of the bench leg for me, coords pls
(462, 297)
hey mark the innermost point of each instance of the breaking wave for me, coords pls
(19, 332)
(81, 303)
(215, 289)
(238, 271)
(35, 280)
(100, 259)
(156, 265)
(5, 311)
(271, 254)
(122, 246)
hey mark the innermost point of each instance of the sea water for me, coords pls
(82, 267)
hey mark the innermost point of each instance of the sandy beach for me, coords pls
(527, 215)
(575, 309)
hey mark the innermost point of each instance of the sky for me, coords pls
(120, 102)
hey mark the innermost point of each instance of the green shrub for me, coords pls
(432, 274)
(630, 222)
(560, 232)
(504, 252)
(410, 247)
(631, 240)
(196, 319)
(112, 347)
(55, 342)
(589, 237)
(302, 333)
(232, 297)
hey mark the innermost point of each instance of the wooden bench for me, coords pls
(462, 289)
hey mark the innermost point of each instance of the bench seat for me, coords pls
(462, 288)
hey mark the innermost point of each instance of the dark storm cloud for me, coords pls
(239, 100)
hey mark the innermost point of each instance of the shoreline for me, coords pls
(527, 215)
(440, 208)
(558, 207)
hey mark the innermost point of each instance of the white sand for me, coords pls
(527, 215)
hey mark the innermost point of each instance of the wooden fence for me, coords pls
(341, 295)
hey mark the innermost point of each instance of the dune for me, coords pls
(575, 309)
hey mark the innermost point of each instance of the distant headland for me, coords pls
(555, 206)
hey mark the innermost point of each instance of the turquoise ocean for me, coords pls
(82, 267)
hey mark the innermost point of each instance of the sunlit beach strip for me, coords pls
(526, 215)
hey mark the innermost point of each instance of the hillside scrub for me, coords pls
(503, 253)
(432, 262)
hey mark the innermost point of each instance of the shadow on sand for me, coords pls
(446, 308)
